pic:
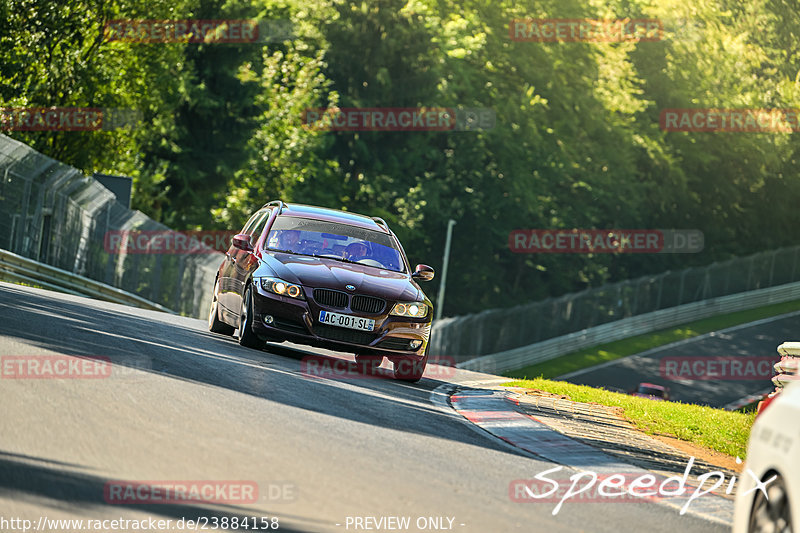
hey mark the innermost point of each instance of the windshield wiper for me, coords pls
(338, 258)
(329, 256)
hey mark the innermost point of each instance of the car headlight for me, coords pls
(283, 288)
(412, 309)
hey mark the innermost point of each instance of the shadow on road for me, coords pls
(181, 348)
(26, 478)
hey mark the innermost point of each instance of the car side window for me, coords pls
(251, 222)
(258, 227)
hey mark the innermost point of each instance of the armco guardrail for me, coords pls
(16, 268)
(52, 214)
(501, 330)
(628, 327)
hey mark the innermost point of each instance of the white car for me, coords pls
(773, 460)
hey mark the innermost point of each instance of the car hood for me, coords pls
(320, 272)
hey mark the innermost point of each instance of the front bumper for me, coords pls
(297, 321)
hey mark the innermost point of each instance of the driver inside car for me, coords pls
(288, 240)
(355, 251)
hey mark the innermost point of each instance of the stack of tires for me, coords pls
(786, 370)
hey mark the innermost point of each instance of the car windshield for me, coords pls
(341, 242)
(652, 391)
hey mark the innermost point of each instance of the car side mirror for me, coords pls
(242, 242)
(422, 273)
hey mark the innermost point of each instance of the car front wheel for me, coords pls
(246, 336)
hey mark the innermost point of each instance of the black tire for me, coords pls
(771, 513)
(246, 336)
(215, 325)
(368, 364)
(408, 371)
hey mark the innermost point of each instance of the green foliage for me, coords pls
(577, 143)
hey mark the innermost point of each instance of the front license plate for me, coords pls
(346, 321)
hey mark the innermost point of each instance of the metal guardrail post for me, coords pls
(771, 269)
(680, 290)
(727, 278)
(660, 289)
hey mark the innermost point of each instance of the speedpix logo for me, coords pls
(589, 487)
(617, 488)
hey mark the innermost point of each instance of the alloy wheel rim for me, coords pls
(245, 305)
(772, 513)
(212, 312)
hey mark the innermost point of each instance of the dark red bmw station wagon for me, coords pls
(326, 278)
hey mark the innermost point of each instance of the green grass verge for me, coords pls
(720, 430)
(614, 350)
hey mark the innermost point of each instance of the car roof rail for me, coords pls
(382, 222)
(281, 205)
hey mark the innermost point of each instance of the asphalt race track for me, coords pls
(183, 404)
(755, 340)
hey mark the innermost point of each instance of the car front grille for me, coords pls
(331, 298)
(359, 303)
(367, 304)
(344, 335)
